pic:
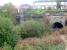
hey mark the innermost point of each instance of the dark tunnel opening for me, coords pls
(57, 25)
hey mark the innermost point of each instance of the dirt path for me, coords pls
(64, 40)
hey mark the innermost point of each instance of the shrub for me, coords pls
(33, 29)
(7, 33)
(6, 47)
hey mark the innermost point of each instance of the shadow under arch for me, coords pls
(57, 25)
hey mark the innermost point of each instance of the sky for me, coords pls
(16, 2)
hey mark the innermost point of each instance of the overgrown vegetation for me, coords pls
(41, 47)
(51, 43)
(33, 33)
(33, 29)
(7, 33)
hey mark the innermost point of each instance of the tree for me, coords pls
(7, 32)
(33, 12)
(8, 11)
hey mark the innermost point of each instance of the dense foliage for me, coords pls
(6, 46)
(34, 13)
(7, 33)
(32, 29)
(8, 11)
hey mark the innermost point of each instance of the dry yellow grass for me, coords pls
(54, 38)
(35, 41)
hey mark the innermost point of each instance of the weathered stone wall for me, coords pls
(60, 19)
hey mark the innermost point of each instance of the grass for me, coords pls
(45, 43)
(40, 47)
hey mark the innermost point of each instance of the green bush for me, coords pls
(6, 47)
(7, 33)
(32, 29)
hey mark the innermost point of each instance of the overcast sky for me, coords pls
(16, 2)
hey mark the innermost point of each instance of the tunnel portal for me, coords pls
(57, 25)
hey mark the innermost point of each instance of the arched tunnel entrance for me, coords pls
(57, 25)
